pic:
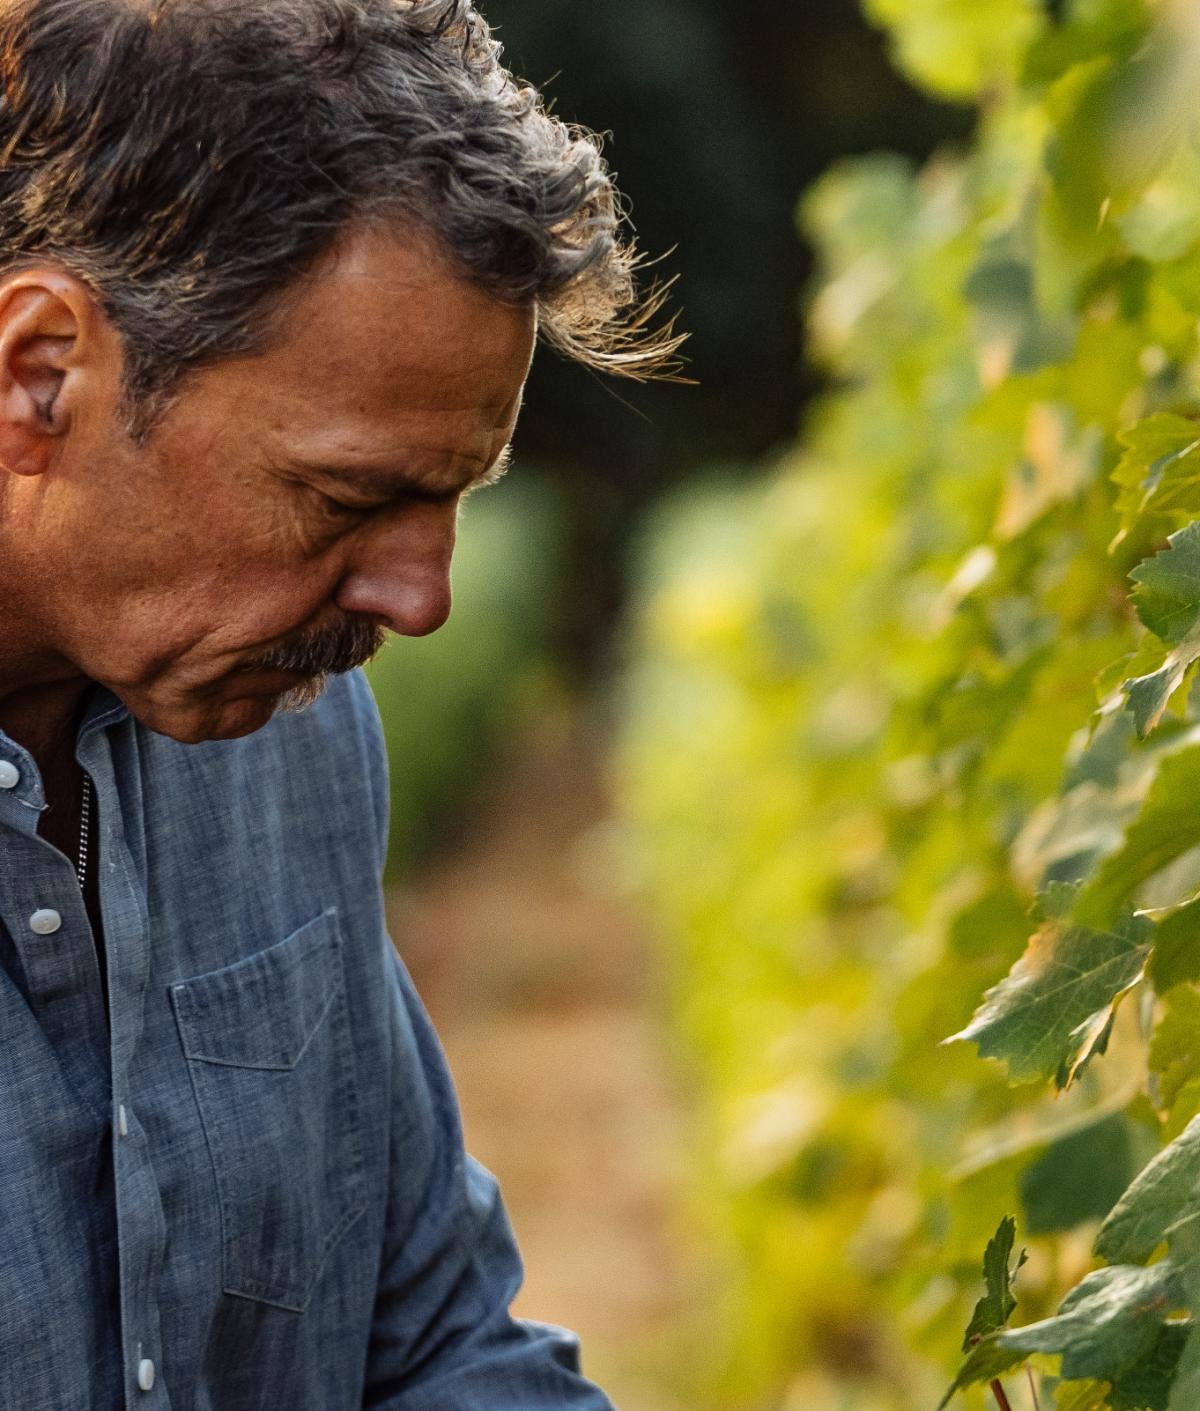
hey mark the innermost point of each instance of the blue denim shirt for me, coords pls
(251, 1194)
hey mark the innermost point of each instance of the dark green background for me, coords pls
(719, 115)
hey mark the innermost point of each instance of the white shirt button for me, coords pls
(45, 922)
(122, 1121)
(10, 775)
(146, 1374)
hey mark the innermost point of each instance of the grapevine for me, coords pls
(912, 755)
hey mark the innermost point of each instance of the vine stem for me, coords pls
(1033, 1389)
(1001, 1400)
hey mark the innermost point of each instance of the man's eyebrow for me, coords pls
(389, 483)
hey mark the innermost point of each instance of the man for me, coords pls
(271, 273)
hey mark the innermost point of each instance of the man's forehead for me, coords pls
(393, 328)
(374, 268)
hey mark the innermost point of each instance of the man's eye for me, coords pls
(340, 509)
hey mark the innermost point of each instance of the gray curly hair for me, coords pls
(188, 159)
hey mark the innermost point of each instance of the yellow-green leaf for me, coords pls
(1160, 470)
(1053, 1011)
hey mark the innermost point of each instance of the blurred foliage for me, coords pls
(914, 719)
(714, 118)
(448, 700)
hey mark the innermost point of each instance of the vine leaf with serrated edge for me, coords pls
(1174, 1058)
(1176, 957)
(1054, 1009)
(1119, 1324)
(996, 1306)
(1160, 470)
(1162, 1207)
(1167, 826)
(1104, 1327)
(1167, 599)
(994, 1309)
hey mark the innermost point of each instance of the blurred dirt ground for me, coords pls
(541, 980)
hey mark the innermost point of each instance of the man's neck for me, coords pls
(43, 719)
(40, 691)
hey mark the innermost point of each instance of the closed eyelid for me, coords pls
(350, 484)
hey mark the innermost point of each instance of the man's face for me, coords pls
(290, 505)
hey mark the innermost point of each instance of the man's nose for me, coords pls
(400, 571)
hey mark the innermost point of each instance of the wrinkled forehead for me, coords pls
(385, 322)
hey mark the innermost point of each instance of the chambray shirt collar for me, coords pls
(23, 802)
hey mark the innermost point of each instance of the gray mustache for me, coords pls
(329, 652)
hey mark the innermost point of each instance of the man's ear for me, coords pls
(46, 322)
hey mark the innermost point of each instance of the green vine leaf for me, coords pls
(1148, 1385)
(1162, 1208)
(1054, 1009)
(988, 1360)
(996, 1306)
(1107, 1325)
(1080, 1175)
(1161, 1205)
(1167, 599)
(957, 50)
(1167, 592)
(1175, 1058)
(949, 537)
(1160, 470)
(1176, 957)
(1185, 1386)
(992, 1312)
(1167, 827)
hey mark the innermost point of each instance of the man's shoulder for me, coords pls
(331, 750)
(337, 740)
(345, 712)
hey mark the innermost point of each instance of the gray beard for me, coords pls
(329, 652)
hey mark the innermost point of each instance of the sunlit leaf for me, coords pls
(1095, 29)
(1167, 595)
(957, 48)
(1167, 598)
(1167, 827)
(1176, 955)
(1174, 1058)
(1160, 470)
(1164, 222)
(1085, 1395)
(1052, 1012)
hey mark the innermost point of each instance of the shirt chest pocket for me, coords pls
(268, 1045)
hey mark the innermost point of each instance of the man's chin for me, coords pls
(298, 698)
(228, 718)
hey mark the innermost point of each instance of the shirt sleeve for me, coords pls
(442, 1336)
